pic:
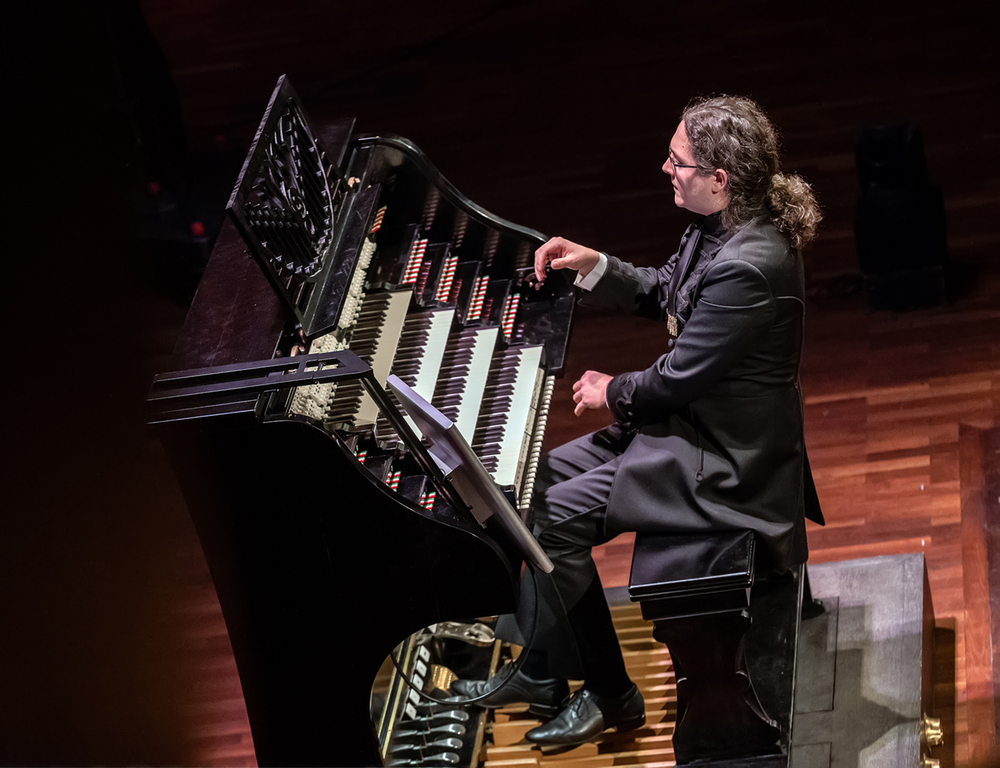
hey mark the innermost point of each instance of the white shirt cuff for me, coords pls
(588, 282)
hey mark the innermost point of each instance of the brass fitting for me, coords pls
(930, 730)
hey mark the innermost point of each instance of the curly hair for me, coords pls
(732, 133)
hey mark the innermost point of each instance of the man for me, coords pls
(707, 438)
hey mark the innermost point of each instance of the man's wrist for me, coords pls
(588, 281)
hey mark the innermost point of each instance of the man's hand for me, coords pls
(590, 391)
(560, 253)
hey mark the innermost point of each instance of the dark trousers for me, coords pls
(574, 637)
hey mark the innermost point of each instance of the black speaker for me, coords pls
(899, 223)
(891, 157)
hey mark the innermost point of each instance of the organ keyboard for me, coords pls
(334, 543)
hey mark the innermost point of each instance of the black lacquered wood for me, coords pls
(288, 204)
(303, 539)
(731, 638)
(673, 566)
(319, 572)
(718, 713)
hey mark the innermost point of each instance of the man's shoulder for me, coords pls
(760, 252)
(759, 244)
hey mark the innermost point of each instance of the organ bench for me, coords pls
(731, 626)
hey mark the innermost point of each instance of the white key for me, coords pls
(385, 350)
(519, 425)
(475, 382)
(430, 362)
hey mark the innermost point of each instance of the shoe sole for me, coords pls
(626, 725)
(544, 710)
(631, 724)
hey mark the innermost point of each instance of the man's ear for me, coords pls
(720, 182)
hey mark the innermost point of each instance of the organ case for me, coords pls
(333, 539)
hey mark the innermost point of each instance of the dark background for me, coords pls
(554, 115)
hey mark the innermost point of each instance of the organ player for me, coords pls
(708, 437)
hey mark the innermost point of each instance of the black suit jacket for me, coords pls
(718, 418)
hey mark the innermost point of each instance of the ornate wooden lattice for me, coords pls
(286, 200)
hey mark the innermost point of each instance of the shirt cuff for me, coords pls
(588, 282)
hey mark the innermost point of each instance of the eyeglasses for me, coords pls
(677, 165)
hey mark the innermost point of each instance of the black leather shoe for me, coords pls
(588, 715)
(543, 697)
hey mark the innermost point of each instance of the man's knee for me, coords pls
(572, 530)
(572, 459)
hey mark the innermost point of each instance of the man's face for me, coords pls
(692, 190)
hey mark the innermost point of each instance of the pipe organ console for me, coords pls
(340, 551)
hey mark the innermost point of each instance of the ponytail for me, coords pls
(793, 208)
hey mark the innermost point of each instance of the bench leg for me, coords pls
(719, 715)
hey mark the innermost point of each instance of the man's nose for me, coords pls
(667, 167)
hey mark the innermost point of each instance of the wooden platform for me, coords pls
(864, 672)
(870, 652)
(649, 666)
